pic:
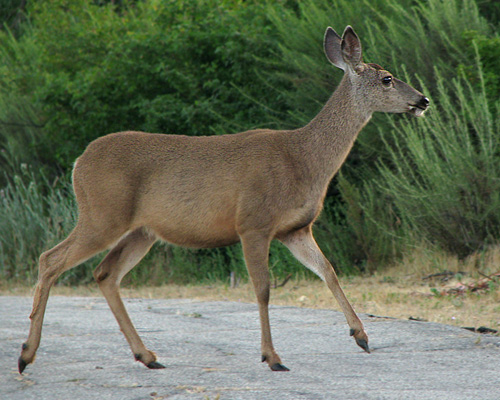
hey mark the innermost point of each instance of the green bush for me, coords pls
(487, 50)
(442, 176)
(35, 214)
(172, 67)
(12, 14)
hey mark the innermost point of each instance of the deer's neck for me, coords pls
(328, 138)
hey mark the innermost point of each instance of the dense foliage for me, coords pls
(71, 71)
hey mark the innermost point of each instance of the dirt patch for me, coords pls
(396, 295)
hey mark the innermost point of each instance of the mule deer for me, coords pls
(134, 188)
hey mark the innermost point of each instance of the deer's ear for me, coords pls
(351, 48)
(332, 45)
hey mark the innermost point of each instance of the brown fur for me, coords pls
(133, 188)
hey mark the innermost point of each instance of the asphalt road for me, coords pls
(211, 350)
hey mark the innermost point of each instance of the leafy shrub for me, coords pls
(487, 51)
(442, 177)
(172, 67)
(35, 214)
(12, 14)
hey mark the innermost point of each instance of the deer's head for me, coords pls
(372, 86)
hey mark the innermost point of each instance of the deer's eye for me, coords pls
(387, 80)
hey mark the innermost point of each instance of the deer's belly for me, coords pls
(197, 233)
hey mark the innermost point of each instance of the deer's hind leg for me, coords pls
(109, 273)
(80, 245)
(303, 246)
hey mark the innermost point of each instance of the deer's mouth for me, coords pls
(415, 110)
(419, 107)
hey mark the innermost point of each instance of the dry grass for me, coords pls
(399, 291)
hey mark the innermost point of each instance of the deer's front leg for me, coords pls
(303, 246)
(256, 250)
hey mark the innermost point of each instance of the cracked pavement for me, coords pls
(211, 350)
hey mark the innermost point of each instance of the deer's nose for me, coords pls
(424, 102)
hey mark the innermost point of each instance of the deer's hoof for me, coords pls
(155, 365)
(361, 339)
(279, 367)
(21, 365)
(363, 344)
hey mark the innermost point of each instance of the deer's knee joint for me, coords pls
(102, 273)
(48, 275)
(262, 292)
(50, 266)
(103, 270)
(43, 263)
(101, 276)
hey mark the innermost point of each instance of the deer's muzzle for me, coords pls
(419, 108)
